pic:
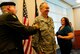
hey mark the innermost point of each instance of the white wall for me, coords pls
(67, 7)
(76, 12)
(31, 11)
(30, 8)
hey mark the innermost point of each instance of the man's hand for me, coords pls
(36, 25)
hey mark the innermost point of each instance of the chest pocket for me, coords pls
(43, 25)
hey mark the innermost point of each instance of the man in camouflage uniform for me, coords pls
(44, 41)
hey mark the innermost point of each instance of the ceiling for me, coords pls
(73, 3)
(4, 0)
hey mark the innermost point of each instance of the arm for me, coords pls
(69, 33)
(16, 26)
(70, 36)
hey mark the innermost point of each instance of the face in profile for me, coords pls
(45, 9)
(12, 9)
(63, 21)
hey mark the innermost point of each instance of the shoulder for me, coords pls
(9, 16)
(68, 28)
(3, 17)
(6, 15)
(38, 18)
(50, 18)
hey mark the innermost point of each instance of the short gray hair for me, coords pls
(42, 4)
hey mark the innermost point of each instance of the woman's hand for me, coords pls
(59, 36)
(70, 36)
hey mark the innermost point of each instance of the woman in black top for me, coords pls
(64, 36)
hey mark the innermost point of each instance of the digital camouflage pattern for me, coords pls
(44, 40)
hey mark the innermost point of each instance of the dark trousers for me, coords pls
(65, 49)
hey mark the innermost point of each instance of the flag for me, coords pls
(26, 43)
(25, 16)
(36, 9)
